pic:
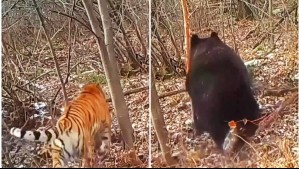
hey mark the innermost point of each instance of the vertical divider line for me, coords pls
(149, 83)
(1, 84)
(298, 72)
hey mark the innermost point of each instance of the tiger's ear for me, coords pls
(81, 85)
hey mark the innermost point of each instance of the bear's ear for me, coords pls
(214, 34)
(194, 39)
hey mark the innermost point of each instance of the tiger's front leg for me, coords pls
(102, 144)
(88, 162)
(89, 158)
(58, 161)
(105, 143)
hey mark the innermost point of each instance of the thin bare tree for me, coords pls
(271, 24)
(159, 124)
(52, 50)
(187, 33)
(111, 68)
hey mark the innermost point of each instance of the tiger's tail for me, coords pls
(35, 135)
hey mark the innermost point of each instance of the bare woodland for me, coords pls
(265, 34)
(51, 48)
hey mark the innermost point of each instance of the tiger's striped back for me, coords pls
(85, 124)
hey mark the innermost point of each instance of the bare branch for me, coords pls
(52, 51)
(14, 5)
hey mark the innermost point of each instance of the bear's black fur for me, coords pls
(220, 90)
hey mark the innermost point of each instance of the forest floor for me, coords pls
(19, 153)
(275, 146)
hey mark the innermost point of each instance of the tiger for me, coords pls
(84, 126)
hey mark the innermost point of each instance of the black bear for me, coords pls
(220, 90)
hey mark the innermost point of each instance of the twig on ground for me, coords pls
(131, 92)
(268, 120)
(278, 92)
(171, 93)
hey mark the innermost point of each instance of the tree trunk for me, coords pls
(243, 10)
(159, 124)
(271, 24)
(111, 68)
(187, 34)
(296, 16)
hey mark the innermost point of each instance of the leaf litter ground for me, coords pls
(21, 153)
(276, 146)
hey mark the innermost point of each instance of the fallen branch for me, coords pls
(279, 112)
(171, 93)
(136, 90)
(250, 32)
(131, 92)
(278, 92)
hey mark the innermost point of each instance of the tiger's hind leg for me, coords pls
(103, 143)
(88, 160)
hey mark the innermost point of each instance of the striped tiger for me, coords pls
(84, 126)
